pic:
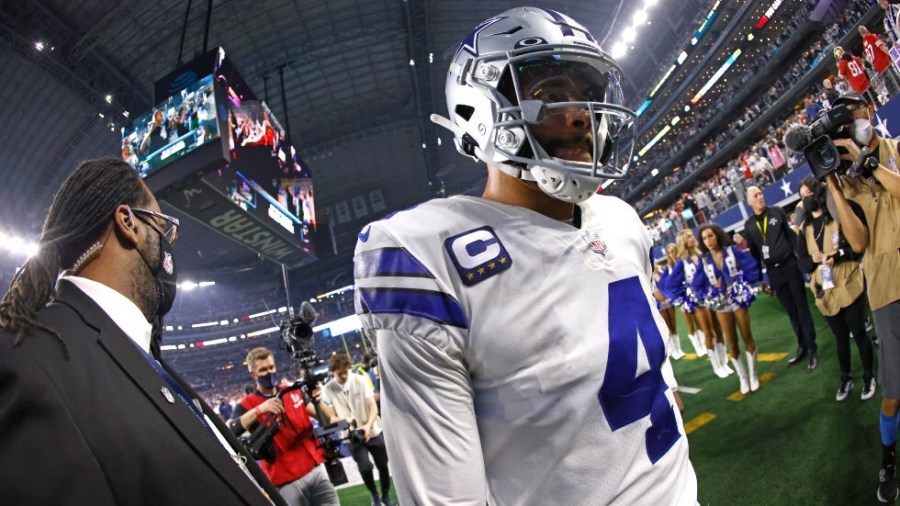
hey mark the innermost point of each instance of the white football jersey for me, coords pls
(522, 360)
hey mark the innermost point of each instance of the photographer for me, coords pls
(353, 399)
(836, 280)
(877, 191)
(294, 465)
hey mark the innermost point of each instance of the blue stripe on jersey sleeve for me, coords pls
(388, 262)
(436, 306)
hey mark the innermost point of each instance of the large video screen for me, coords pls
(175, 127)
(260, 153)
(275, 209)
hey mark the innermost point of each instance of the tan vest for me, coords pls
(881, 263)
(847, 276)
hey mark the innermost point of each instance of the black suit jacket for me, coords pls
(781, 239)
(97, 429)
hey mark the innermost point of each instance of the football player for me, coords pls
(522, 356)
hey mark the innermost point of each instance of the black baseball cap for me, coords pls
(850, 97)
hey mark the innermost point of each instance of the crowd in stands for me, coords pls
(702, 119)
(760, 163)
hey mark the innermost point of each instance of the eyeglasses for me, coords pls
(171, 231)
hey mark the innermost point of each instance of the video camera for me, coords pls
(816, 141)
(297, 338)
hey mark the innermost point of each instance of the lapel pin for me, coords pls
(168, 395)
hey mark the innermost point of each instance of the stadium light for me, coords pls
(39, 45)
(264, 313)
(618, 50)
(18, 246)
(109, 99)
(630, 35)
(640, 17)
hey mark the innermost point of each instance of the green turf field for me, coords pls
(359, 496)
(789, 443)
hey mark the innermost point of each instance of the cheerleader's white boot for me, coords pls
(675, 350)
(719, 349)
(751, 371)
(698, 346)
(701, 338)
(717, 366)
(742, 375)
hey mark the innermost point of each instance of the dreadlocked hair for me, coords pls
(78, 216)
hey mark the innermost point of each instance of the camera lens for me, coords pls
(824, 156)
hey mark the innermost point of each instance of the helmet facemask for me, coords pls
(568, 117)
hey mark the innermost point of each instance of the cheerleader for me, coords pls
(706, 329)
(728, 273)
(664, 300)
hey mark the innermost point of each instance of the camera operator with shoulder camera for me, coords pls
(293, 460)
(873, 183)
(353, 399)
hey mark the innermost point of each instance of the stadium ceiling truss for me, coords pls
(346, 67)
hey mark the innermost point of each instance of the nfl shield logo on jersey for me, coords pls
(593, 239)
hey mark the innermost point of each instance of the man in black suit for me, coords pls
(773, 244)
(87, 414)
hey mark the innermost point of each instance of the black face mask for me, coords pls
(810, 204)
(269, 381)
(165, 274)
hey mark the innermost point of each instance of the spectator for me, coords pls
(812, 109)
(830, 93)
(877, 54)
(852, 70)
(891, 25)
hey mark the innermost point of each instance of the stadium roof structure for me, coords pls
(360, 79)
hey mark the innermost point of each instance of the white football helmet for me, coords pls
(530, 92)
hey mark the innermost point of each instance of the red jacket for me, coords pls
(296, 451)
